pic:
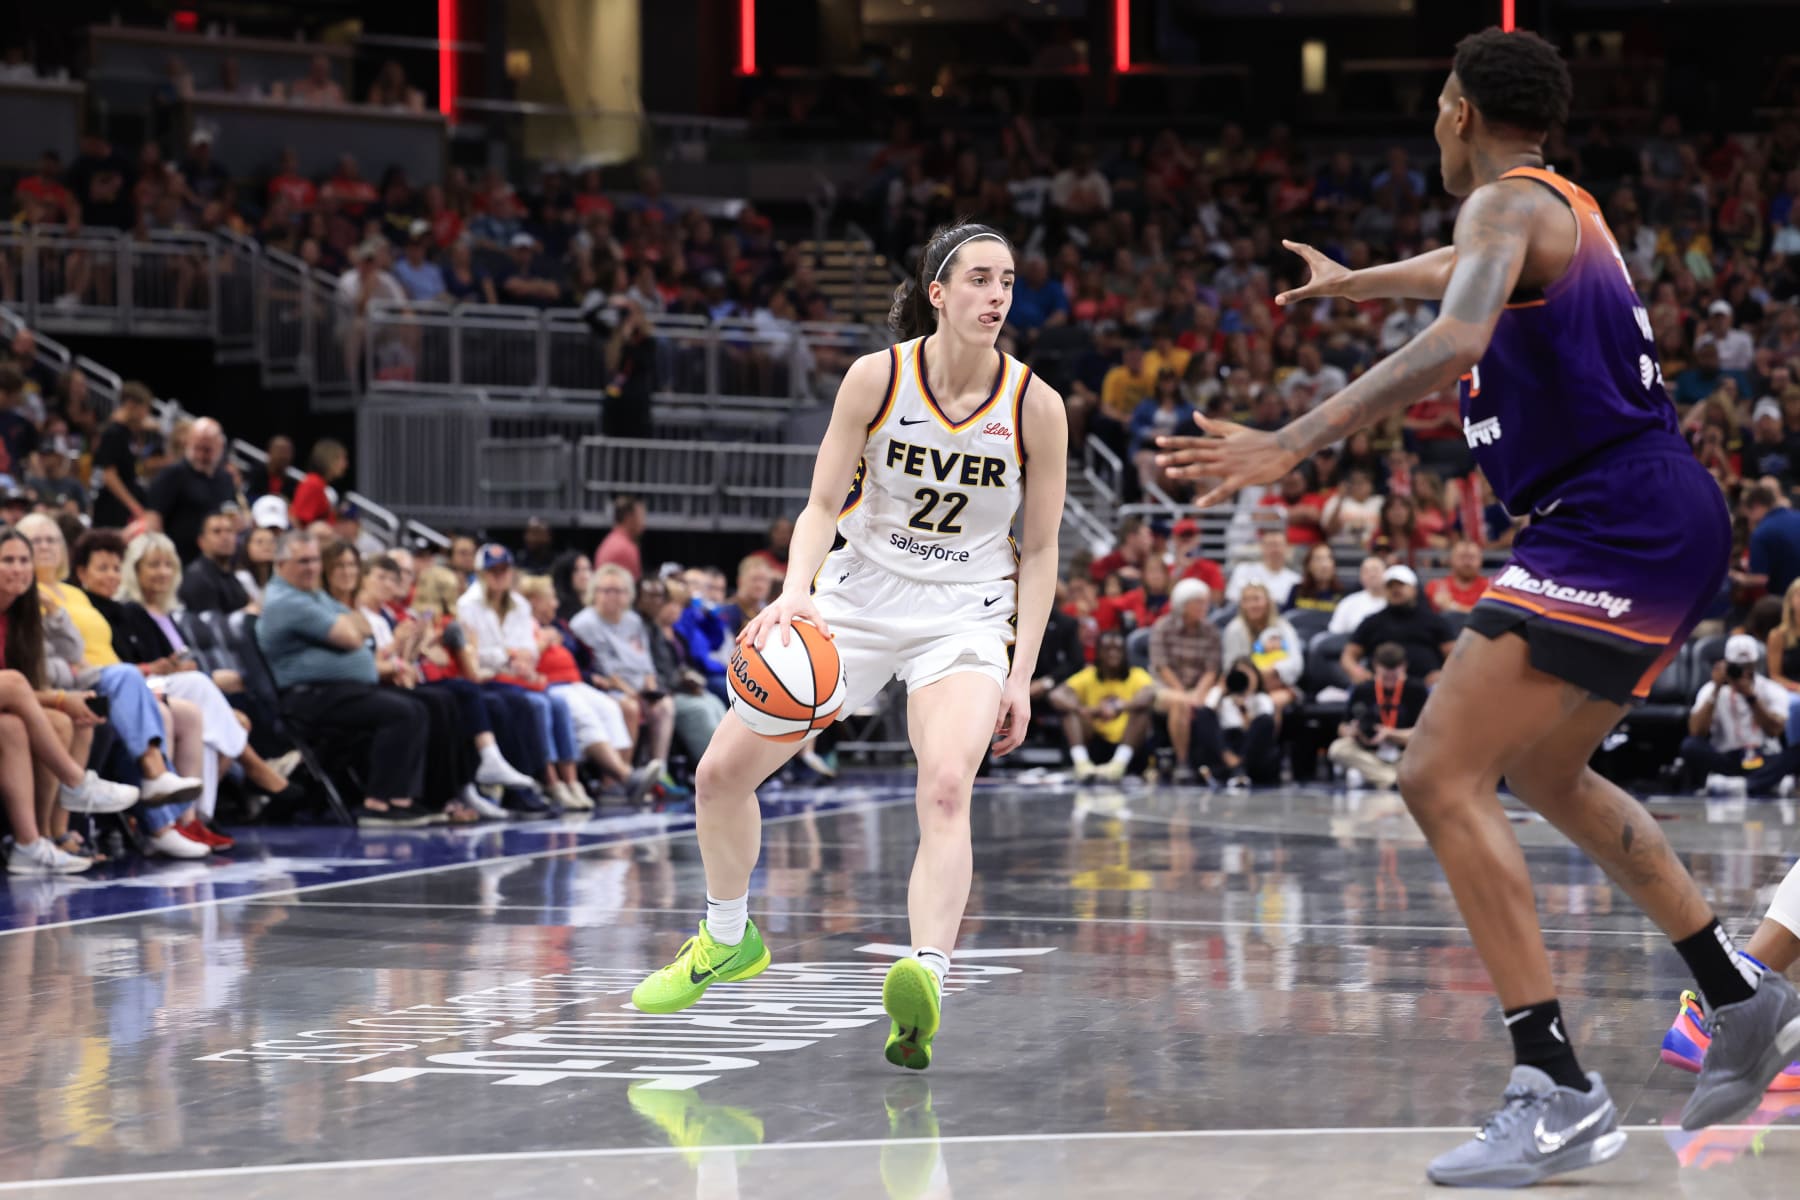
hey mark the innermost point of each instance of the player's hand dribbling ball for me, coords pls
(788, 693)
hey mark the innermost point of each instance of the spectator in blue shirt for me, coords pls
(321, 655)
(1038, 300)
(1399, 174)
(702, 632)
(1702, 379)
(1774, 543)
(422, 278)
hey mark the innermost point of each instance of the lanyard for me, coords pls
(1389, 706)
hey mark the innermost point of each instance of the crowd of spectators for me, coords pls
(473, 684)
(1146, 287)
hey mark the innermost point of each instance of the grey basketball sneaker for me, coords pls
(1540, 1130)
(1752, 1041)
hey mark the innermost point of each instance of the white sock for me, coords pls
(1122, 754)
(725, 918)
(936, 961)
(1078, 753)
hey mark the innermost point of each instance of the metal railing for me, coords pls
(509, 351)
(105, 281)
(467, 463)
(296, 321)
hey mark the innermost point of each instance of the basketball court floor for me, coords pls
(1155, 994)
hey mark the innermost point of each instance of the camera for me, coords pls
(1236, 681)
(1736, 671)
(1365, 722)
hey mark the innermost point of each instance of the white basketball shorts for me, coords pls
(887, 626)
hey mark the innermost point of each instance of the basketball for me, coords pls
(788, 693)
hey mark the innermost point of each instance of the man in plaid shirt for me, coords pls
(1184, 658)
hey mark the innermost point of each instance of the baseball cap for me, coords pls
(492, 557)
(1186, 527)
(1400, 573)
(523, 241)
(269, 512)
(1719, 308)
(1741, 648)
(1768, 406)
(418, 229)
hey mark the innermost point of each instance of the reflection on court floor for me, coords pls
(1189, 994)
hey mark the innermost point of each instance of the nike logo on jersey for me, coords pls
(920, 421)
(843, 577)
(990, 602)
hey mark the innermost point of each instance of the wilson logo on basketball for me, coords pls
(996, 429)
(740, 669)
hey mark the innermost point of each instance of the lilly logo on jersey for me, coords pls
(996, 431)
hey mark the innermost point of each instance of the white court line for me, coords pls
(1648, 931)
(633, 840)
(536, 1156)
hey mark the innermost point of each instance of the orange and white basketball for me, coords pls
(788, 693)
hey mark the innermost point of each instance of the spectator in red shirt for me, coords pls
(312, 503)
(1436, 522)
(1300, 505)
(1458, 591)
(1135, 543)
(775, 554)
(44, 192)
(620, 547)
(1186, 560)
(348, 190)
(1138, 607)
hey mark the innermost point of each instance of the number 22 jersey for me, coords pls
(934, 499)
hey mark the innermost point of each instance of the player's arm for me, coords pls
(1421, 277)
(1044, 437)
(1493, 233)
(858, 400)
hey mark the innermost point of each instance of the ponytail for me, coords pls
(913, 314)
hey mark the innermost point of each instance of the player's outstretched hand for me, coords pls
(779, 618)
(1234, 455)
(1014, 720)
(1327, 276)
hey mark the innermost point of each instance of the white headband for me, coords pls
(939, 277)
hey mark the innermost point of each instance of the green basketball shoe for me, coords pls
(910, 995)
(701, 963)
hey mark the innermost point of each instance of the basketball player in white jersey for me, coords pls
(904, 555)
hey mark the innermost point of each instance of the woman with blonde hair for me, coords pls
(144, 589)
(1261, 636)
(151, 733)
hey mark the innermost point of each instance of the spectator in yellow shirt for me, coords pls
(1127, 384)
(1106, 711)
(1164, 354)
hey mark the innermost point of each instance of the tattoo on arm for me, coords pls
(1493, 233)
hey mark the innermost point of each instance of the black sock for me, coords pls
(1723, 975)
(1540, 1041)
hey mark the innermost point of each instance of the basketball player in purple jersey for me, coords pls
(1565, 411)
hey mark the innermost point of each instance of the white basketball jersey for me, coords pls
(933, 499)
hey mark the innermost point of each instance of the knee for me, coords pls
(59, 721)
(12, 683)
(944, 793)
(665, 708)
(1429, 791)
(713, 777)
(12, 729)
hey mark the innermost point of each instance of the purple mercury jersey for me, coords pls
(1567, 416)
(1570, 375)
